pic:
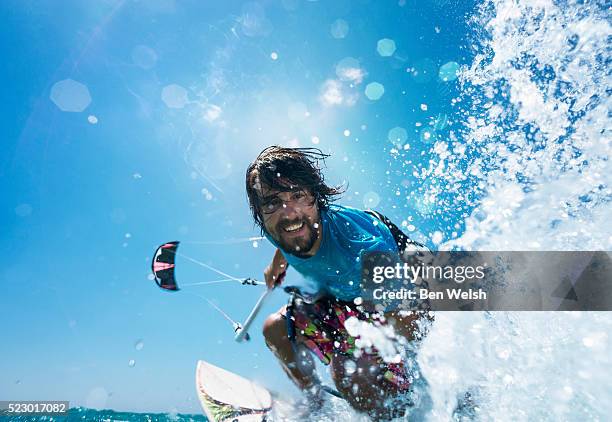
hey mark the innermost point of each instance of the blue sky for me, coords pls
(175, 99)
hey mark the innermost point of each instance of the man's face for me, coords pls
(292, 219)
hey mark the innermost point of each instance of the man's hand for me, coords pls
(275, 273)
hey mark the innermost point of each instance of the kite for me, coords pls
(163, 266)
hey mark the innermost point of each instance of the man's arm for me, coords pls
(275, 272)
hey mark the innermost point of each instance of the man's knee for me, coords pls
(275, 330)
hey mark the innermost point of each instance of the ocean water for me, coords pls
(84, 414)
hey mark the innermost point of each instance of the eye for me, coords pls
(272, 204)
(299, 195)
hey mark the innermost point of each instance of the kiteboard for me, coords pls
(227, 397)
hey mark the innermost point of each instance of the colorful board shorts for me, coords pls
(320, 326)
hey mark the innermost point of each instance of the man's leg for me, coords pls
(301, 369)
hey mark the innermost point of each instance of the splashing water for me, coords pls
(533, 155)
(371, 336)
(535, 139)
(520, 366)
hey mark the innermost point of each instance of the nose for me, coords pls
(290, 210)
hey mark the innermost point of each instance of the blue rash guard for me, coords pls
(348, 233)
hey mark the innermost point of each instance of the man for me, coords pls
(292, 204)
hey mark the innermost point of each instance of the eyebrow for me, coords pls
(268, 198)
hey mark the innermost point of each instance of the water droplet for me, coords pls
(174, 96)
(69, 95)
(347, 132)
(385, 47)
(374, 90)
(207, 194)
(339, 29)
(274, 55)
(428, 135)
(397, 136)
(132, 363)
(437, 237)
(139, 345)
(448, 72)
(92, 119)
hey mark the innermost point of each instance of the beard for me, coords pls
(297, 246)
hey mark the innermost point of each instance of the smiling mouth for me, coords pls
(294, 227)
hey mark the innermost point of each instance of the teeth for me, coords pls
(294, 227)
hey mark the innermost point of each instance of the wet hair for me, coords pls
(286, 169)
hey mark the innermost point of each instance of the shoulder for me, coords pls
(354, 223)
(350, 216)
(341, 211)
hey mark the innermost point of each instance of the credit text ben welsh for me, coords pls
(412, 273)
